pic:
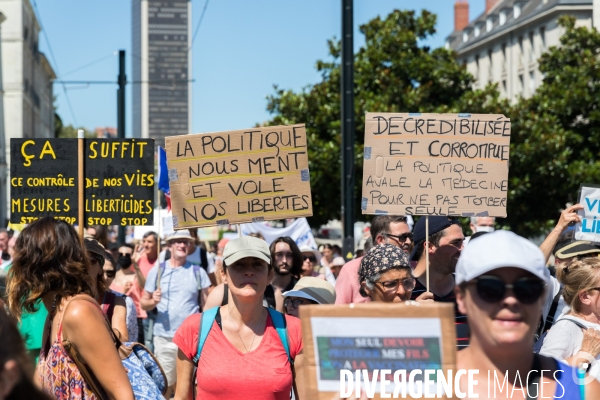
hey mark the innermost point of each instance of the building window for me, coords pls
(517, 10)
(543, 37)
(490, 66)
(502, 19)
(531, 82)
(521, 84)
(489, 24)
(465, 36)
(477, 68)
(477, 30)
(504, 90)
(531, 48)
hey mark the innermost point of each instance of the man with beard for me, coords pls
(445, 244)
(287, 260)
(390, 229)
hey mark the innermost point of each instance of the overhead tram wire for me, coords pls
(39, 17)
(114, 53)
(198, 24)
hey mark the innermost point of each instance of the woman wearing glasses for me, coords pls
(501, 283)
(385, 275)
(112, 304)
(312, 258)
(308, 290)
(574, 337)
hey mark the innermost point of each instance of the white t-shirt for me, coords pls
(564, 340)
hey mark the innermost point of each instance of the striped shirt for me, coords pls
(460, 320)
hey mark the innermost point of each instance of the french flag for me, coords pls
(163, 176)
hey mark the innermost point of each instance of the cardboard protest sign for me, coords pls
(119, 179)
(436, 164)
(375, 337)
(589, 227)
(249, 175)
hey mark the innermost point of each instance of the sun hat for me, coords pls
(315, 289)
(338, 261)
(578, 248)
(93, 246)
(246, 246)
(315, 252)
(183, 234)
(497, 250)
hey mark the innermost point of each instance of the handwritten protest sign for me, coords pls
(375, 337)
(119, 180)
(589, 227)
(249, 175)
(436, 164)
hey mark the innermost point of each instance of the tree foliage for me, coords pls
(556, 132)
(393, 72)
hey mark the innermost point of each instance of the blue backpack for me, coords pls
(145, 374)
(208, 318)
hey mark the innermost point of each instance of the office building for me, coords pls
(161, 68)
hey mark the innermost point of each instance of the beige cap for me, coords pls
(246, 246)
(315, 289)
(182, 234)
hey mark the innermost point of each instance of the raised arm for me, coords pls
(567, 217)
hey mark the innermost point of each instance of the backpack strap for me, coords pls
(159, 273)
(270, 297)
(579, 324)
(553, 307)
(197, 275)
(206, 323)
(280, 326)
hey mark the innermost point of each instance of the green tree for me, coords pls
(70, 131)
(555, 139)
(393, 72)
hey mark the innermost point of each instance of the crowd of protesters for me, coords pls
(212, 316)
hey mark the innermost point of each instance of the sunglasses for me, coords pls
(312, 259)
(391, 286)
(98, 259)
(110, 274)
(401, 238)
(492, 289)
(125, 254)
(295, 303)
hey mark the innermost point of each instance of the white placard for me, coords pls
(589, 227)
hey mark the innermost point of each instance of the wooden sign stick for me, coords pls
(427, 251)
(81, 180)
(239, 228)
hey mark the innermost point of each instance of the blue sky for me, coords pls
(242, 49)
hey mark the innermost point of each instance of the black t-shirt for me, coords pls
(462, 325)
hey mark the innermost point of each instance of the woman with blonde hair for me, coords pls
(79, 359)
(575, 336)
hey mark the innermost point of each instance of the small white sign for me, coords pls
(589, 227)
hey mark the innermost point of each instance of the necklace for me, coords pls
(238, 331)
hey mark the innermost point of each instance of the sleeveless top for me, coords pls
(59, 374)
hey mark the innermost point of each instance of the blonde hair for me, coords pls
(578, 276)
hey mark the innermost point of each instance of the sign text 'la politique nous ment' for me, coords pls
(249, 175)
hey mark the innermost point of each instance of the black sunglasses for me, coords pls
(492, 289)
(401, 238)
(99, 259)
(110, 274)
(312, 259)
